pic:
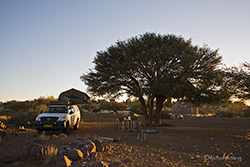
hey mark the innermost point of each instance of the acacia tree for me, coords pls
(240, 77)
(153, 68)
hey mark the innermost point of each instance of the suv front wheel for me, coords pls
(66, 130)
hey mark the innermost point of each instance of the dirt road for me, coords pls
(187, 142)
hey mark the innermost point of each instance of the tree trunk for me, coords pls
(151, 111)
(144, 108)
(159, 104)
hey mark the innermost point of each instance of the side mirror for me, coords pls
(41, 111)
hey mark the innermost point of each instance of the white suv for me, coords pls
(58, 117)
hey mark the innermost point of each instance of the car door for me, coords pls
(72, 116)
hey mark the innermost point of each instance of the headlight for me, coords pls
(61, 119)
(38, 119)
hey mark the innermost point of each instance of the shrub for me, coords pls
(233, 110)
(246, 112)
(49, 154)
(24, 118)
(25, 112)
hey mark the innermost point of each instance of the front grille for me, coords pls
(49, 119)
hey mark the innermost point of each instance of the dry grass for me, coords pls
(49, 154)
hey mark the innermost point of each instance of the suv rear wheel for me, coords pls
(77, 125)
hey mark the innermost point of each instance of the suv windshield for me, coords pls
(56, 110)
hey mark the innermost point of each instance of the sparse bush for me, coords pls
(49, 154)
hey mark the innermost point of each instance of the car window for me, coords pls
(71, 109)
(56, 110)
(76, 109)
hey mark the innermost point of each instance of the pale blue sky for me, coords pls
(45, 45)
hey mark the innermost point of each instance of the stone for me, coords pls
(85, 151)
(101, 164)
(63, 161)
(62, 150)
(34, 150)
(93, 155)
(92, 149)
(115, 164)
(62, 135)
(54, 136)
(75, 144)
(74, 154)
(98, 145)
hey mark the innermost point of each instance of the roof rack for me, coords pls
(60, 102)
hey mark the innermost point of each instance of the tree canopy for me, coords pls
(155, 68)
(240, 78)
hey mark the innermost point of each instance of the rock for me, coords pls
(75, 144)
(74, 154)
(93, 155)
(127, 160)
(85, 151)
(54, 136)
(92, 148)
(63, 161)
(101, 164)
(115, 164)
(62, 150)
(87, 164)
(62, 135)
(35, 150)
(86, 142)
(98, 145)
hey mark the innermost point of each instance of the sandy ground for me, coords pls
(187, 142)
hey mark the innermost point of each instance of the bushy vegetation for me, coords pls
(233, 110)
(25, 112)
(112, 105)
(135, 106)
(97, 106)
